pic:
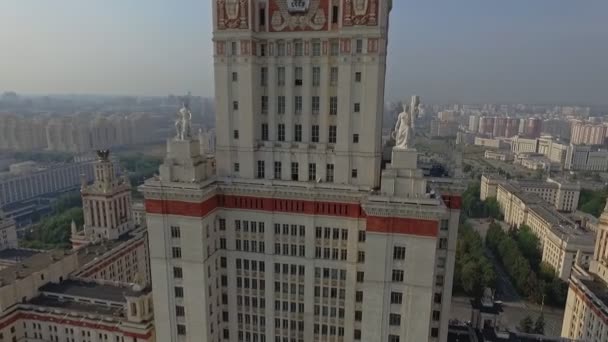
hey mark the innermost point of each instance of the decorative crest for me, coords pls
(103, 155)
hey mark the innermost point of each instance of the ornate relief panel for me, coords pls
(298, 15)
(360, 12)
(232, 14)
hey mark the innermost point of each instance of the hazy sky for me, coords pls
(534, 51)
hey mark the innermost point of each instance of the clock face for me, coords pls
(298, 6)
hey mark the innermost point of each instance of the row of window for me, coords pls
(330, 253)
(289, 249)
(295, 230)
(332, 137)
(330, 292)
(286, 306)
(295, 171)
(298, 105)
(252, 246)
(265, 49)
(247, 226)
(327, 311)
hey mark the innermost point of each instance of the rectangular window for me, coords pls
(312, 171)
(316, 104)
(329, 176)
(235, 105)
(262, 46)
(176, 252)
(175, 232)
(298, 75)
(277, 170)
(235, 134)
(179, 292)
(359, 46)
(334, 48)
(357, 108)
(260, 174)
(298, 48)
(281, 132)
(281, 104)
(333, 105)
(393, 338)
(281, 49)
(396, 298)
(434, 332)
(394, 319)
(264, 104)
(360, 257)
(436, 315)
(235, 76)
(316, 76)
(233, 50)
(361, 237)
(398, 275)
(297, 133)
(355, 138)
(399, 253)
(237, 167)
(444, 225)
(179, 311)
(360, 277)
(358, 77)
(297, 104)
(281, 76)
(181, 329)
(263, 76)
(295, 171)
(333, 134)
(443, 243)
(264, 131)
(315, 134)
(354, 173)
(177, 273)
(437, 298)
(333, 76)
(316, 48)
(359, 296)
(357, 333)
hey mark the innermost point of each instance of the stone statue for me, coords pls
(404, 133)
(182, 124)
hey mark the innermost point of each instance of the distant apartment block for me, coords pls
(586, 133)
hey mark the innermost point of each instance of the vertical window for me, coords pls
(312, 171)
(176, 252)
(333, 105)
(233, 51)
(175, 232)
(264, 76)
(334, 48)
(333, 132)
(264, 104)
(177, 273)
(434, 332)
(329, 177)
(264, 131)
(397, 275)
(298, 75)
(281, 49)
(316, 104)
(237, 167)
(359, 46)
(354, 173)
(295, 171)
(316, 76)
(358, 77)
(179, 311)
(235, 105)
(357, 107)
(399, 253)
(361, 257)
(355, 138)
(315, 134)
(394, 319)
(297, 47)
(235, 77)
(281, 104)
(360, 277)
(179, 292)
(436, 315)
(260, 169)
(262, 49)
(181, 329)
(281, 132)
(333, 76)
(297, 104)
(281, 76)
(277, 170)
(396, 298)
(393, 338)
(235, 134)
(297, 133)
(361, 236)
(443, 243)
(334, 14)
(316, 48)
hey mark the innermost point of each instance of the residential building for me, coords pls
(532, 128)
(586, 311)
(8, 232)
(474, 123)
(586, 133)
(586, 158)
(299, 235)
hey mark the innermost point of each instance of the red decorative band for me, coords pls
(408, 226)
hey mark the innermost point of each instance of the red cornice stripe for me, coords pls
(348, 210)
(408, 226)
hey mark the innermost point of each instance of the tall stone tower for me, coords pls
(298, 235)
(106, 204)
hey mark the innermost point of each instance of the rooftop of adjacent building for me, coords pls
(76, 306)
(96, 291)
(17, 254)
(33, 263)
(93, 252)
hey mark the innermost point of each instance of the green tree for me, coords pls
(525, 325)
(529, 245)
(539, 325)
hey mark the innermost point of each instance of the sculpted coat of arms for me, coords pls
(298, 14)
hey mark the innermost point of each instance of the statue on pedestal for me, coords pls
(182, 124)
(403, 133)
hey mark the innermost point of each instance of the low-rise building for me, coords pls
(563, 242)
(491, 143)
(586, 158)
(498, 155)
(8, 232)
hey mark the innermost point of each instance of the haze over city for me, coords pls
(473, 51)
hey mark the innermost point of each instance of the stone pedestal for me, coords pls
(183, 162)
(404, 158)
(402, 178)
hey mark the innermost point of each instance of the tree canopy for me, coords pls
(592, 201)
(473, 271)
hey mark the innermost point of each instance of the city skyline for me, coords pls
(474, 52)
